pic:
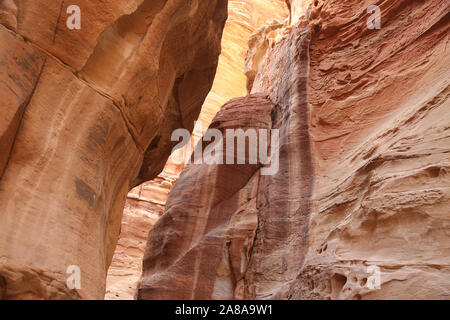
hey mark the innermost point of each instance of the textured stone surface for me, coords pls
(144, 205)
(230, 82)
(298, 9)
(363, 182)
(205, 210)
(363, 179)
(245, 16)
(22, 71)
(380, 124)
(86, 115)
(284, 199)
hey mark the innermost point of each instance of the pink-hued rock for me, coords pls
(358, 208)
(144, 206)
(87, 115)
(362, 193)
(379, 126)
(244, 17)
(207, 208)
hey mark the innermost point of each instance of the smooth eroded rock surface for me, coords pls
(359, 208)
(87, 115)
(207, 217)
(244, 17)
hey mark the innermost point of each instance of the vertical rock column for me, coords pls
(245, 16)
(284, 199)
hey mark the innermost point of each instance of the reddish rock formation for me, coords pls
(145, 204)
(186, 244)
(230, 82)
(298, 9)
(362, 193)
(379, 126)
(87, 115)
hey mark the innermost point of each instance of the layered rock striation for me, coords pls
(244, 17)
(359, 208)
(144, 205)
(87, 115)
(379, 119)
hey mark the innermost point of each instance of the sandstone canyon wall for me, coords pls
(146, 202)
(363, 185)
(86, 115)
(143, 207)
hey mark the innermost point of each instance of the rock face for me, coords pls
(298, 9)
(244, 17)
(359, 208)
(87, 114)
(379, 126)
(144, 205)
(185, 245)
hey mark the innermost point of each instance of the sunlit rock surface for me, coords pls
(86, 115)
(230, 81)
(359, 208)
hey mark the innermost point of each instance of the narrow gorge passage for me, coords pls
(78, 138)
(146, 203)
